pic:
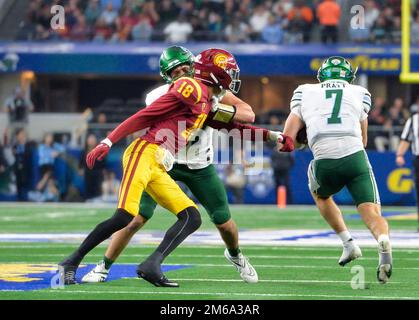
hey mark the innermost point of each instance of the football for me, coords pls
(301, 138)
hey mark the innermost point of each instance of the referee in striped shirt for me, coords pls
(410, 137)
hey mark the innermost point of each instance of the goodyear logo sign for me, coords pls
(400, 181)
(365, 63)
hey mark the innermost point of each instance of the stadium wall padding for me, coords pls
(143, 58)
(395, 184)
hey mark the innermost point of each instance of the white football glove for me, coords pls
(165, 158)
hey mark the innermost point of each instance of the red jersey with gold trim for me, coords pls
(172, 118)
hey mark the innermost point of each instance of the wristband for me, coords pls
(225, 113)
(107, 141)
(275, 136)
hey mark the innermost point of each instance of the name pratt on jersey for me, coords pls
(331, 85)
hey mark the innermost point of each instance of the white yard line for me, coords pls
(296, 237)
(237, 294)
(221, 256)
(273, 281)
(134, 246)
(274, 266)
(229, 265)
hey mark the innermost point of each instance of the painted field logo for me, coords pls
(23, 276)
(26, 277)
(21, 272)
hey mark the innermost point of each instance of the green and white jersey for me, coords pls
(332, 111)
(196, 155)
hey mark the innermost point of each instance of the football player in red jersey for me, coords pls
(148, 158)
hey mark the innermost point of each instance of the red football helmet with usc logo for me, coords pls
(218, 67)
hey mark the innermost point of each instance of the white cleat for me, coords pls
(98, 274)
(384, 272)
(385, 266)
(350, 252)
(246, 270)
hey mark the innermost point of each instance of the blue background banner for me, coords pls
(395, 184)
(142, 58)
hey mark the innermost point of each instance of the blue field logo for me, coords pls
(25, 277)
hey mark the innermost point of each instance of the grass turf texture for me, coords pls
(285, 272)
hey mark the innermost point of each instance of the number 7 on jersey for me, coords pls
(334, 118)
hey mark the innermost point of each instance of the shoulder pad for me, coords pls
(187, 84)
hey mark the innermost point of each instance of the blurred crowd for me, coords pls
(49, 170)
(52, 169)
(382, 24)
(234, 21)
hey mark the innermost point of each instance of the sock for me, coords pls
(383, 237)
(100, 233)
(345, 236)
(108, 262)
(385, 256)
(234, 252)
(189, 220)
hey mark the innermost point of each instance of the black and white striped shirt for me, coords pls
(411, 133)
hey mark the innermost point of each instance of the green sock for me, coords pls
(234, 252)
(108, 262)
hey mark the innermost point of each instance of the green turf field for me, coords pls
(285, 271)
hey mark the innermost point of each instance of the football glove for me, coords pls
(287, 144)
(280, 138)
(98, 153)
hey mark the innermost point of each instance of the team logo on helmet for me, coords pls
(221, 60)
(335, 62)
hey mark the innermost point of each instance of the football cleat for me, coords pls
(384, 272)
(350, 252)
(150, 271)
(68, 273)
(243, 266)
(97, 274)
(162, 282)
(385, 266)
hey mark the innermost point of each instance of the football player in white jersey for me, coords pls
(194, 168)
(334, 114)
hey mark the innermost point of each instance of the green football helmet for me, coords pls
(173, 57)
(336, 68)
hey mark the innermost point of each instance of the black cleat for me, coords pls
(161, 282)
(67, 273)
(150, 271)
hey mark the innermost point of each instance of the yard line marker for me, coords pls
(233, 294)
(230, 266)
(220, 256)
(272, 280)
(296, 237)
(134, 246)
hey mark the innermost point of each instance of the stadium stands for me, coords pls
(128, 20)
